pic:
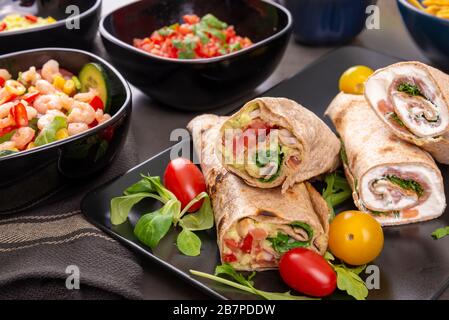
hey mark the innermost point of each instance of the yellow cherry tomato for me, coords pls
(355, 237)
(353, 80)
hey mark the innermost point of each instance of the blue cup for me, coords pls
(327, 22)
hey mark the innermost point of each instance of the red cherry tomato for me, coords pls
(185, 180)
(2, 82)
(307, 272)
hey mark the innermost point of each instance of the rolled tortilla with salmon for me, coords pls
(412, 99)
(395, 181)
(255, 226)
(275, 141)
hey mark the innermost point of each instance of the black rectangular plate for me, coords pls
(412, 264)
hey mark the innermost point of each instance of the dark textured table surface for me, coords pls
(152, 124)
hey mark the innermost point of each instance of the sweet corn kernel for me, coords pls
(62, 134)
(51, 20)
(59, 82)
(31, 145)
(69, 87)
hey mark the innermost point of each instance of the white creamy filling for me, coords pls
(376, 89)
(435, 202)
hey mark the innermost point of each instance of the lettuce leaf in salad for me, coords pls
(48, 135)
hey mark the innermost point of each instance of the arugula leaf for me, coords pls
(336, 192)
(351, 283)
(245, 284)
(48, 135)
(406, 184)
(441, 233)
(6, 137)
(152, 227)
(348, 279)
(189, 243)
(410, 89)
(213, 22)
(283, 243)
(201, 220)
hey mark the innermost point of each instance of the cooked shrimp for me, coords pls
(9, 145)
(45, 87)
(5, 74)
(31, 76)
(4, 109)
(66, 101)
(23, 137)
(82, 112)
(50, 70)
(31, 112)
(7, 122)
(46, 119)
(48, 102)
(77, 128)
(101, 117)
(86, 96)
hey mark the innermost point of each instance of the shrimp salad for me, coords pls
(49, 104)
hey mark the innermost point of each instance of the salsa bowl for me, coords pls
(27, 173)
(205, 83)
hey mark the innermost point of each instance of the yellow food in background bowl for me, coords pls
(17, 21)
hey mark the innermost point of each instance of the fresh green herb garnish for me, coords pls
(406, 184)
(393, 116)
(336, 192)
(152, 227)
(283, 243)
(441, 233)
(213, 22)
(410, 89)
(348, 279)
(245, 284)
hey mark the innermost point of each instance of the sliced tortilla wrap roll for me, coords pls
(255, 226)
(395, 181)
(412, 99)
(275, 141)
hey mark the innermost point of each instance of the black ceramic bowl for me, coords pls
(201, 83)
(63, 33)
(25, 175)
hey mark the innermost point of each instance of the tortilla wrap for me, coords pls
(412, 99)
(243, 212)
(295, 146)
(395, 181)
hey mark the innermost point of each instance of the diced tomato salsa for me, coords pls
(195, 38)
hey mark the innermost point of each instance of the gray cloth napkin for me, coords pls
(43, 248)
